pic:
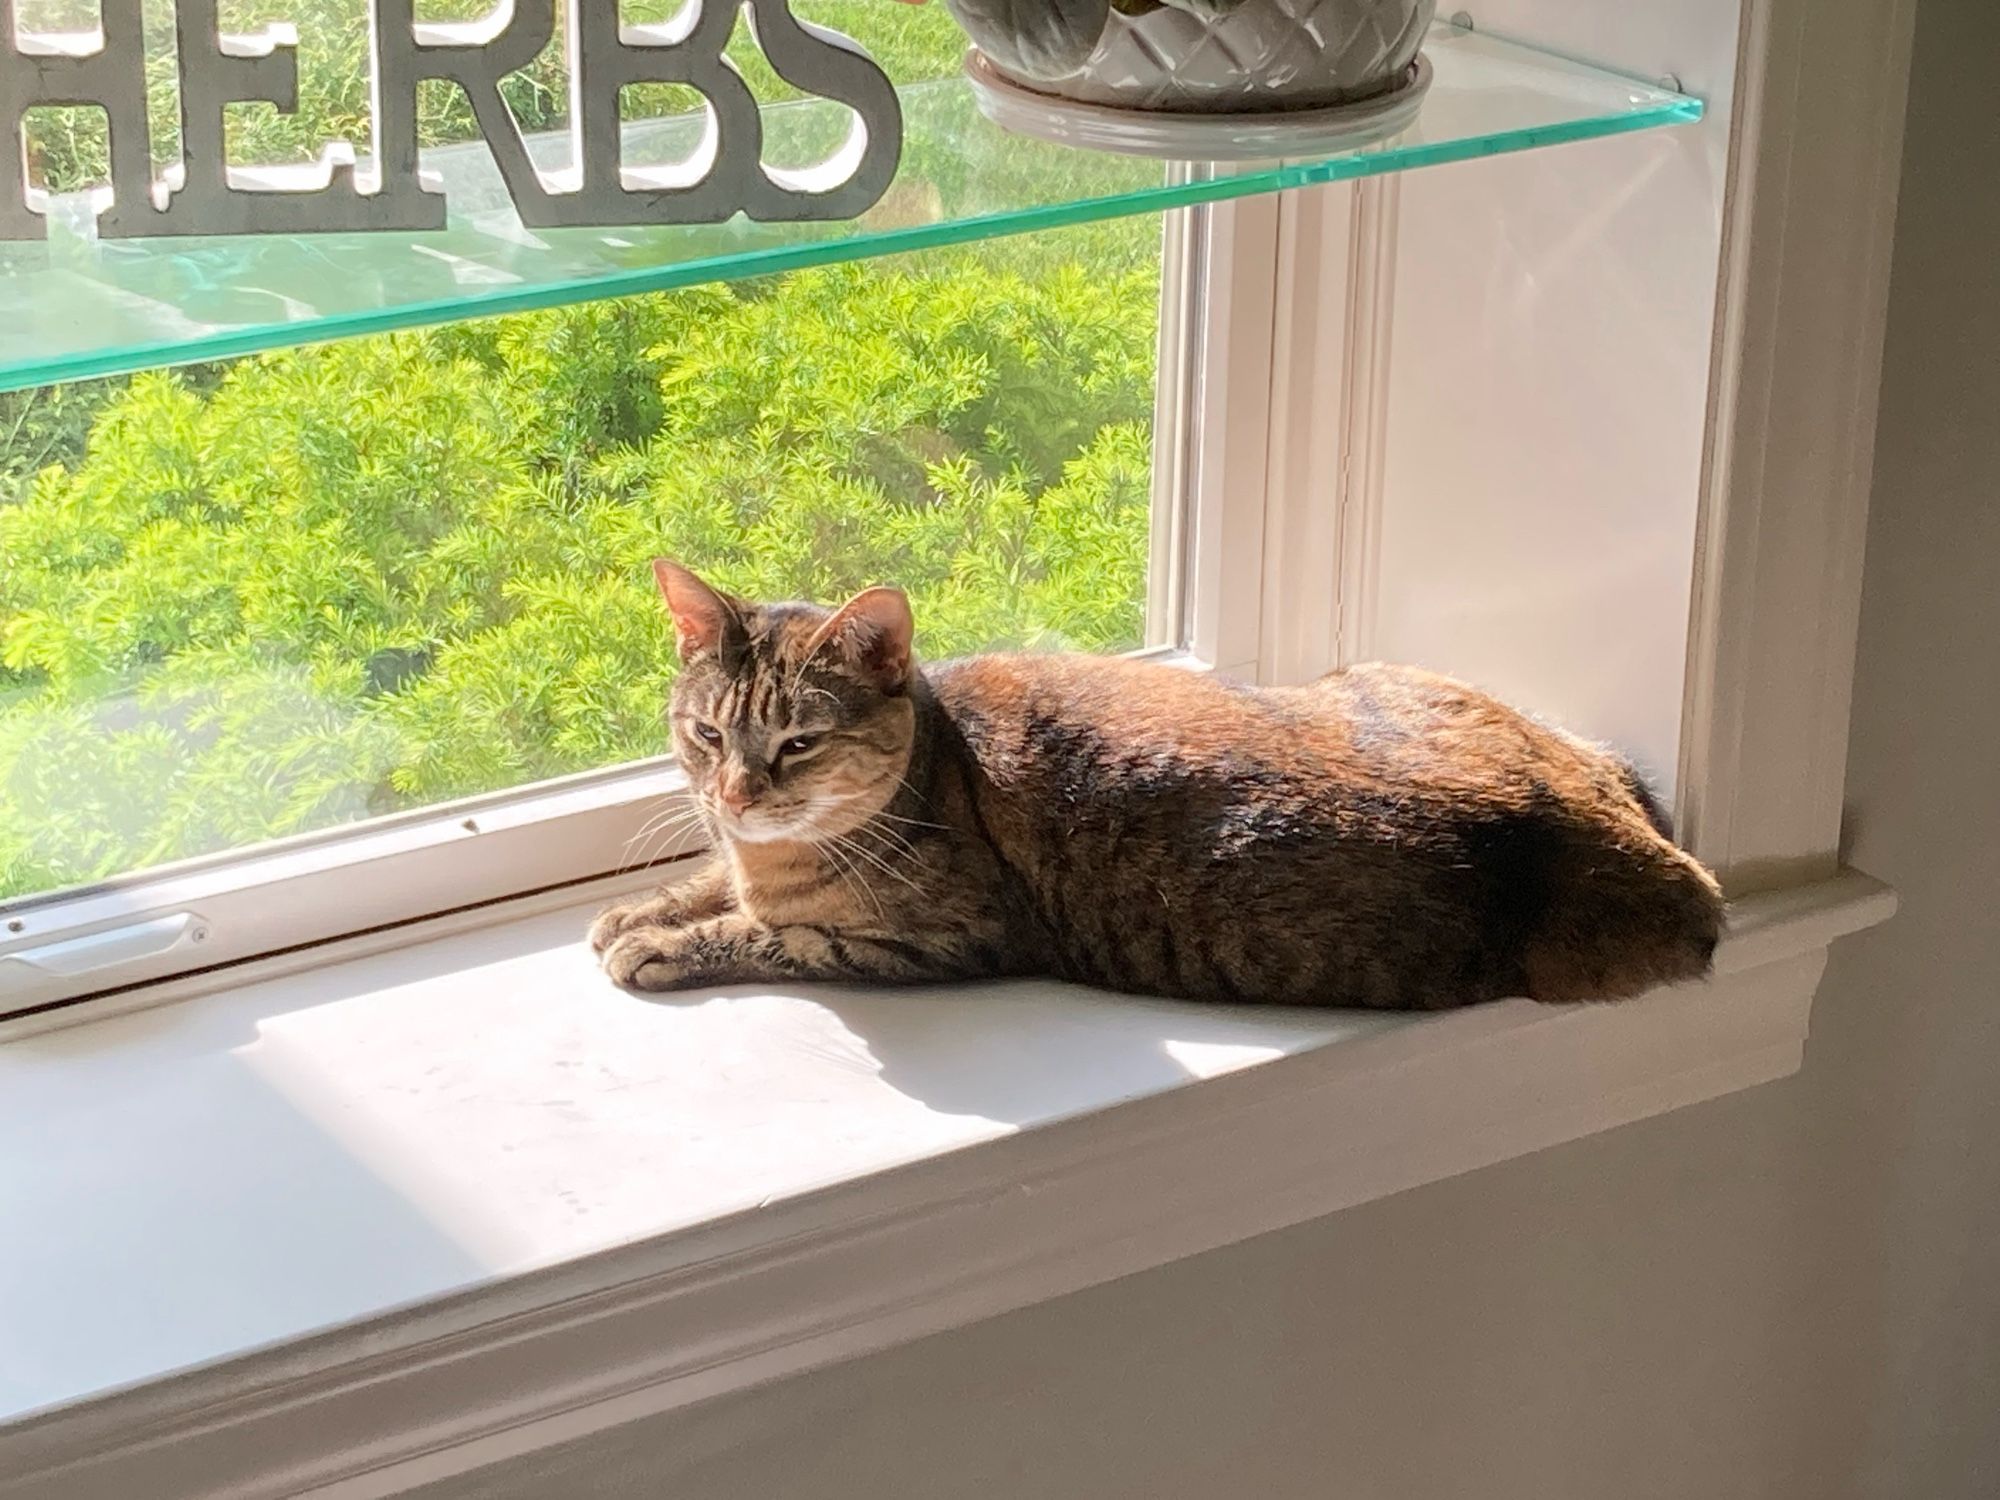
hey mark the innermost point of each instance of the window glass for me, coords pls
(263, 598)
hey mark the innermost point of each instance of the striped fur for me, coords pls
(1381, 837)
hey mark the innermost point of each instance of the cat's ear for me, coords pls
(872, 632)
(704, 620)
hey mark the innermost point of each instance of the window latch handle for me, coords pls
(69, 957)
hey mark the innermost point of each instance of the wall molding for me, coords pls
(1808, 230)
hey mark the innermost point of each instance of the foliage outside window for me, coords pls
(244, 601)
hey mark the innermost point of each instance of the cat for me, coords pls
(1382, 837)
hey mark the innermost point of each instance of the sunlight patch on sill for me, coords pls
(420, 1121)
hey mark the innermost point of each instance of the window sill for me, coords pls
(519, 1206)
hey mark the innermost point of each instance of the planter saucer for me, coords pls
(1190, 136)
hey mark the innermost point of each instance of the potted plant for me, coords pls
(1200, 57)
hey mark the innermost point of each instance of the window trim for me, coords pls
(284, 898)
(1776, 609)
(1228, 436)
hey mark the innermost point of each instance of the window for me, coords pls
(273, 597)
(330, 639)
(320, 640)
(286, 595)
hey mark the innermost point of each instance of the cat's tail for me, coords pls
(1619, 930)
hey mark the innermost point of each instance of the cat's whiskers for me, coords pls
(673, 805)
(661, 831)
(659, 807)
(862, 852)
(823, 840)
(922, 800)
(645, 857)
(676, 810)
(845, 868)
(897, 841)
(914, 822)
(809, 814)
(633, 859)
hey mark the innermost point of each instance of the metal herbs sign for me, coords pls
(202, 194)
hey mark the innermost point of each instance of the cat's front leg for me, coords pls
(708, 893)
(733, 949)
(729, 949)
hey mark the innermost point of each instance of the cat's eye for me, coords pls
(708, 734)
(798, 744)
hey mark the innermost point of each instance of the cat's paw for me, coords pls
(645, 958)
(657, 910)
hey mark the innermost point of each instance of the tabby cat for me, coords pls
(1380, 837)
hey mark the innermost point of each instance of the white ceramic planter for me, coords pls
(1249, 57)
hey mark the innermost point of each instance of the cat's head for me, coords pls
(791, 720)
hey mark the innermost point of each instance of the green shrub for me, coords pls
(349, 579)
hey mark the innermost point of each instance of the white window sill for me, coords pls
(462, 1199)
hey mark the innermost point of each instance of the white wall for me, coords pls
(1908, 1028)
(1793, 1293)
(1549, 379)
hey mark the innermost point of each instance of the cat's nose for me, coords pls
(736, 795)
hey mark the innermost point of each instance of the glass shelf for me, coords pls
(73, 308)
